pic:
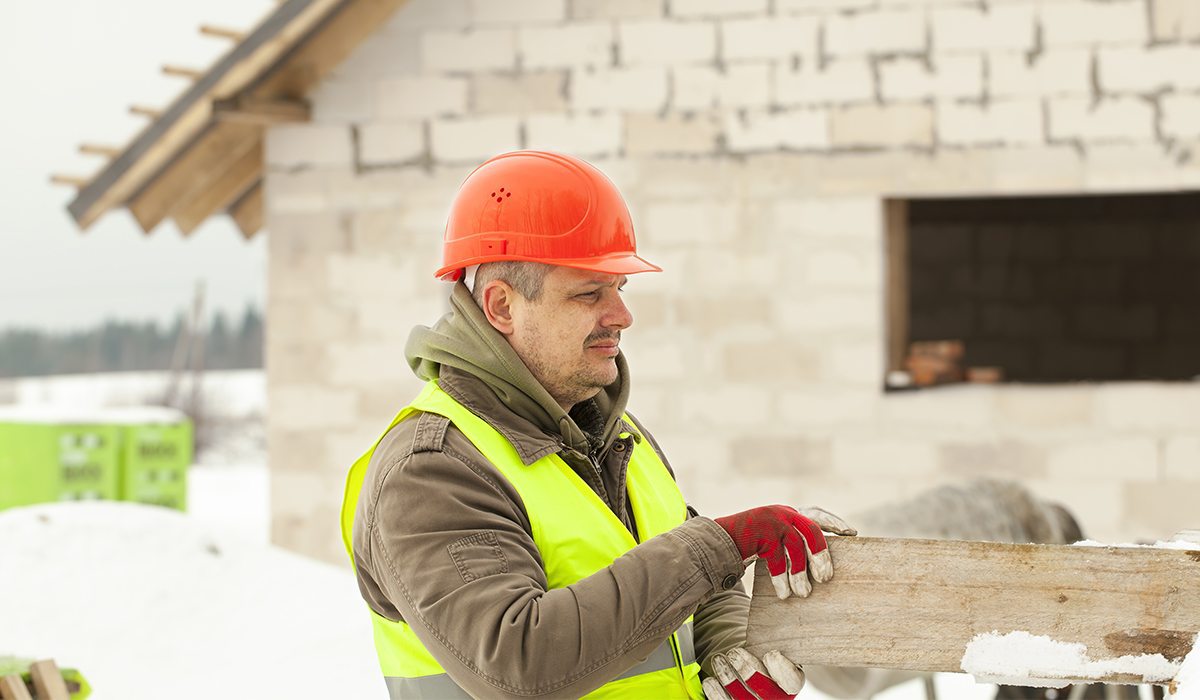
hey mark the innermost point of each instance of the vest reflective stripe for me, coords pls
(687, 642)
(440, 686)
(575, 532)
(664, 656)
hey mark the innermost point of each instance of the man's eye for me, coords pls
(588, 295)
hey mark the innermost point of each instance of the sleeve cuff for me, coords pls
(714, 550)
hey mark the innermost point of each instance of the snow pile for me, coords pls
(1020, 658)
(148, 603)
(1187, 681)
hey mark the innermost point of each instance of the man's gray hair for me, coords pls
(525, 277)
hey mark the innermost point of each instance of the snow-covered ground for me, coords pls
(151, 603)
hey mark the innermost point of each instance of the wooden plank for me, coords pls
(896, 232)
(13, 688)
(224, 190)
(917, 604)
(48, 681)
(247, 212)
(261, 111)
(193, 173)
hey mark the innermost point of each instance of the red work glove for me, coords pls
(740, 676)
(787, 539)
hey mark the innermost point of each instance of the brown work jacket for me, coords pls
(442, 542)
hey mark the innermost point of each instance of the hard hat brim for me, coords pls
(626, 264)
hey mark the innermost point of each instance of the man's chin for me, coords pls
(605, 377)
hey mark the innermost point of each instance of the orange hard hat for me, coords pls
(541, 207)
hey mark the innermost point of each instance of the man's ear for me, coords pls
(498, 298)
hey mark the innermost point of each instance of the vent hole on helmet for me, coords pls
(508, 194)
(493, 194)
(501, 189)
(499, 199)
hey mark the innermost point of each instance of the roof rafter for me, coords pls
(205, 135)
(261, 111)
(236, 179)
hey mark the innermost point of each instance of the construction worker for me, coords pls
(517, 533)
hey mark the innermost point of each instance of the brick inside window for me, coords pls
(1058, 289)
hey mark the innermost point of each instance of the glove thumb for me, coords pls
(786, 673)
(828, 521)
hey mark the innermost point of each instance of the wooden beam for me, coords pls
(48, 681)
(94, 149)
(69, 180)
(247, 212)
(144, 111)
(897, 296)
(293, 49)
(917, 604)
(222, 32)
(192, 173)
(267, 46)
(13, 688)
(224, 190)
(261, 111)
(182, 72)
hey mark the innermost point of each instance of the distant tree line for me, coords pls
(120, 346)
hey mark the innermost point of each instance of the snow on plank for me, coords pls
(919, 604)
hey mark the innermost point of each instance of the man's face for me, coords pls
(568, 337)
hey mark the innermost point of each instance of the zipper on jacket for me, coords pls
(593, 478)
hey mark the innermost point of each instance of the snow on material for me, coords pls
(1187, 681)
(1020, 658)
(148, 603)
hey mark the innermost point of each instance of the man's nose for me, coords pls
(617, 315)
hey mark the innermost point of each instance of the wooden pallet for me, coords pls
(917, 604)
(48, 684)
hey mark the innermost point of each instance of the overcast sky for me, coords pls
(70, 69)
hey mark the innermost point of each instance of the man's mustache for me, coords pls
(603, 335)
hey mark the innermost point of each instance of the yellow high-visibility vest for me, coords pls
(576, 535)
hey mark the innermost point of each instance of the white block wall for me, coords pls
(755, 142)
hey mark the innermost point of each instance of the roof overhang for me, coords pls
(203, 154)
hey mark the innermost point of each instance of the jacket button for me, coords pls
(729, 582)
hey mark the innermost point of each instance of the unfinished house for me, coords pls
(905, 241)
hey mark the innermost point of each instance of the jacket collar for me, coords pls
(530, 441)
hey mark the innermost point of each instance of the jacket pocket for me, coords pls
(478, 555)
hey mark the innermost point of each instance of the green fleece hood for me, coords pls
(463, 339)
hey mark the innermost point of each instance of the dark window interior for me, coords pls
(1055, 289)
